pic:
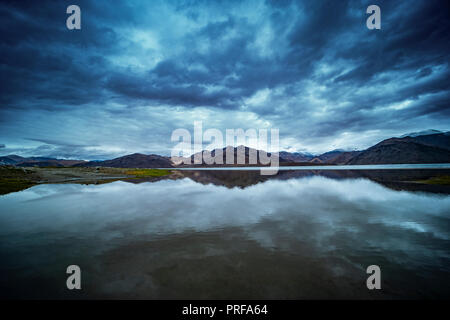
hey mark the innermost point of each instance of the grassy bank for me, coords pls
(441, 180)
(16, 179)
(14, 185)
(13, 180)
(143, 173)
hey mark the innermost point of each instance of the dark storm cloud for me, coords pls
(169, 83)
(42, 59)
(58, 143)
(311, 68)
(418, 40)
(41, 63)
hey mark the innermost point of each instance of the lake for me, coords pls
(229, 235)
(332, 167)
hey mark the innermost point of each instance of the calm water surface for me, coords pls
(307, 237)
(330, 167)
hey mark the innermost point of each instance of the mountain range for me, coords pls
(422, 149)
(135, 160)
(242, 155)
(429, 146)
(19, 161)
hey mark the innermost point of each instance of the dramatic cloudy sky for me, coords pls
(137, 70)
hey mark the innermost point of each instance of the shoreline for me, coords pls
(421, 177)
(13, 179)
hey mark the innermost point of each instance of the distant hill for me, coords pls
(334, 157)
(421, 133)
(136, 160)
(429, 146)
(440, 140)
(36, 161)
(432, 148)
(241, 156)
(325, 157)
(49, 163)
(296, 156)
(343, 157)
(11, 159)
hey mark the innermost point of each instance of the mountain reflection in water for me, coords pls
(229, 235)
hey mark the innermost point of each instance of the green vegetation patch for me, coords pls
(141, 173)
(442, 180)
(8, 185)
(13, 179)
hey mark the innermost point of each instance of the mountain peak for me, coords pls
(421, 133)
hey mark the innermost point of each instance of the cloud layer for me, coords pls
(137, 70)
